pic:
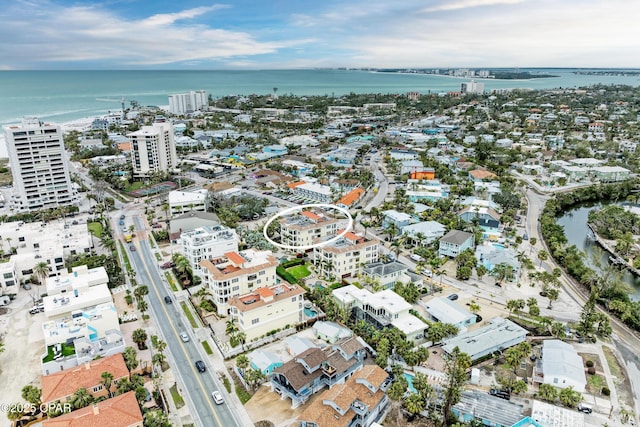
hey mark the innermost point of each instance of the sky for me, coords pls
(293, 34)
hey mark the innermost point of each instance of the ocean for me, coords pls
(61, 96)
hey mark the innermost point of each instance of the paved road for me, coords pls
(383, 184)
(627, 342)
(196, 387)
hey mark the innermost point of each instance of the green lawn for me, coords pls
(189, 315)
(299, 271)
(177, 399)
(136, 185)
(125, 257)
(172, 282)
(207, 347)
(95, 228)
(596, 382)
(67, 350)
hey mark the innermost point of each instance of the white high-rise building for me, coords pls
(39, 167)
(184, 103)
(153, 149)
(472, 87)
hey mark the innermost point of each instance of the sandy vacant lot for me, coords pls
(24, 346)
(265, 405)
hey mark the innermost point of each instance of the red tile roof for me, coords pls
(119, 411)
(293, 185)
(235, 257)
(351, 196)
(311, 215)
(61, 384)
(264, 292)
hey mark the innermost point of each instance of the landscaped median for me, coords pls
(189, 314)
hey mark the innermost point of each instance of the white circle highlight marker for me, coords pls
(299, 208)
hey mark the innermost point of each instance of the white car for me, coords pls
(217, 397)
(184, 337)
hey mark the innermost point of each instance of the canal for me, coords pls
(574, 222)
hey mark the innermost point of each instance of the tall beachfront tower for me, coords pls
(153, 149)
(185, 103)
(40, 169)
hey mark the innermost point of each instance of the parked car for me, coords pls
(502, 394)
(168, 264)
(157, 225)
(122, 216)
(200, 366)
(585, 408)
(217, 397)
(453, 297)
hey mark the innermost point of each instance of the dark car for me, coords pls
(132, 248)
(200, 366)
(453, 297)
(502, 394)
(168, 264)
(122, 217)
(121, 222)
(167, 299)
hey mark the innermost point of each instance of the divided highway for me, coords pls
(197, 387)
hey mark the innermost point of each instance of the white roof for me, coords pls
(397, 216)
(610, 169)
(561, 360)
(262, 359)
(315, 188)
(447, 311)
(556, 416)
(331, 329)
(409, 324)
(187, 196)
(494, 335)
(388, 300)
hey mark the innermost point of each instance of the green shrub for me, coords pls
(606, 391)
(589, 363)
(284, 274)
(591, 370)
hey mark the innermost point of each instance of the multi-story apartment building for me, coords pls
(39, 168)
(315, 368)
(32, 243)
(185, 103)
(360, 401)
(235, 274)
(346, 256)
(267, 309)
(8, 278)
(153, 149)
(301, 229)
(76, 291)
(209, 242)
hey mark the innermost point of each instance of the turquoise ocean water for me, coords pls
(61, 96)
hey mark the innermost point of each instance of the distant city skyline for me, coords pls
(288, 34)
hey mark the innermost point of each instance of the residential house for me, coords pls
(331, 331)
(442, 309)
(191, 221)
(546, 414)
(491, 254)
(208, 242)
(295, 344)
(430, 190)
(348, 200)
(487, 218)
(237, 273)
(454, 242)
(481, 175)
(479, 406)
(498, 335)
(346, 256)
(302, 228)
(397, 219)
(61, 385)
(265, 361)
(403, 154)
(560, 366)
(425, 232)
(387, 274)
(360, 401)
(267, 309)
(382, 309)
(119, 411)
(314, 369)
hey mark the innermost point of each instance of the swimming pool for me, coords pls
(499, 246)
(409, 378)
(310, 313)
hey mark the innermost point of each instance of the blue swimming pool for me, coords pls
(409, 378)
(499, 246)
(310, 313)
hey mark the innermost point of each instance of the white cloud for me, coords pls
(170, 18)
(466, 4)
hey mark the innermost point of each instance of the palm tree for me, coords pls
(414, 403)
(108, 243)
(139, 336)
(81, 398)
(543, 256)
(242, 362)
(140, 292)
(502, 272)
(106, 381)
(231, 328)
(41, 271)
